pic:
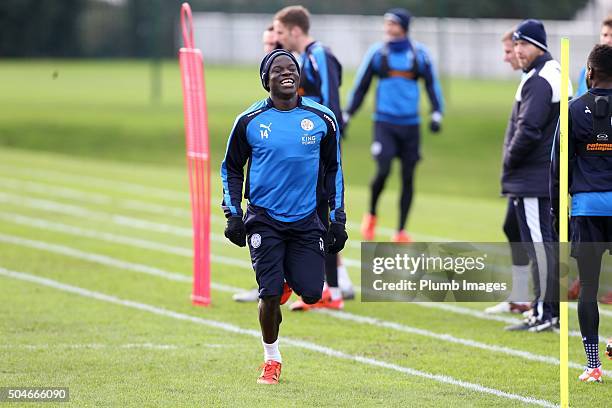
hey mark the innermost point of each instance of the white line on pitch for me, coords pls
(101, 216)
(135, 267)
(139, 205)
(253, 333)
(93, 198)
(106, 260)
(12, 217)
(149, 346)
(105, 183)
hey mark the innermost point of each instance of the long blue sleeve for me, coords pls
(232, 168)
(432, 85)
(362, 81)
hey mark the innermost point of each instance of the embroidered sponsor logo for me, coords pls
(309, 139)
(599, 147)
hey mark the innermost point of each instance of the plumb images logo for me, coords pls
(437, 272)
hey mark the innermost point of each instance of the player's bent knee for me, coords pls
(310, 300)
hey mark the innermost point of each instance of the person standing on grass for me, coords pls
(320, 81)
(292, 146)
(605, 37)
(590, 185)
(516, 302)
(399, 63)
(526, 162)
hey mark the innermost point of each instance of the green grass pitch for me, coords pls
(95, 258)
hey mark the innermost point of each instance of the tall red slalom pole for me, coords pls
(198, 159)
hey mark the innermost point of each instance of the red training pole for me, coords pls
(198, 159)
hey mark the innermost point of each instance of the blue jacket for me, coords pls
(399, 65)
(292, 155)
(531, 130)
(321, 78)
(587, 174)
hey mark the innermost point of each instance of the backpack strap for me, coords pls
(387, 72)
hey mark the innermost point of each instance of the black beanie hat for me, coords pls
(266, 63)
(531, 31)
(400, 16)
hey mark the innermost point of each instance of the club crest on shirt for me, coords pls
(307, 124)
(255, 241)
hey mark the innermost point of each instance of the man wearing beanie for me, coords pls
(526, 162)
(286, 238)
(320, 82)
(398, 63)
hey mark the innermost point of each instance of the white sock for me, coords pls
(344, 281)
(336, 293)
(520, 284)
(271, 351)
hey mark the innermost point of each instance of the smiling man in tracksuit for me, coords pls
(292, 147)
(398, 63)
(525, 174)
(590, 185)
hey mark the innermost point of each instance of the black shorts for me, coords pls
(291, 251)
(590, 235)
(401, 141)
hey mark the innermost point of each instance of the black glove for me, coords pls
(336, 238)
(235, 231)
(435, 125)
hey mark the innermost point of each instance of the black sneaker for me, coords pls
(545, 325)
(526, 324)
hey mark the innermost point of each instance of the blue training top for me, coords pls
(321, 78)
(294, 156)
(398, 64)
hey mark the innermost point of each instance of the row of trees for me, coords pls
(139, 28)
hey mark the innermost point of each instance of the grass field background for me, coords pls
(94, 194)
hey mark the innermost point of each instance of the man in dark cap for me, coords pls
(526, 162)
(398, 63)
(286, 237)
